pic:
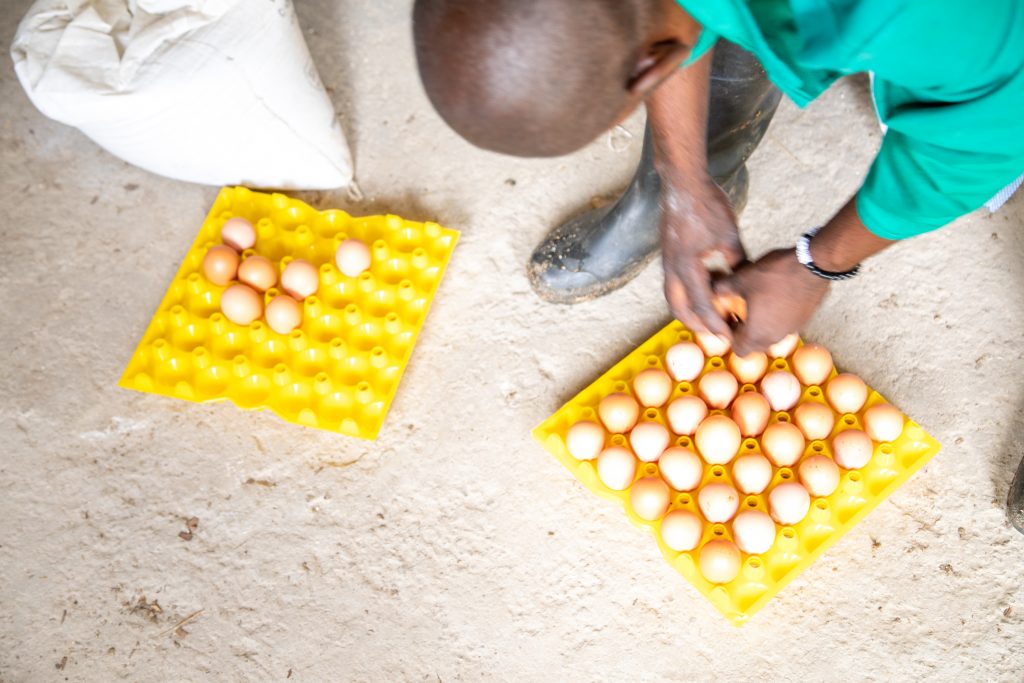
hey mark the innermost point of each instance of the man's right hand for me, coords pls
(697, 222)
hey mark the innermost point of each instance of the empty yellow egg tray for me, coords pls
(795, 547)
(340, 368)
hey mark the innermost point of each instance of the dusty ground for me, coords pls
(454, 548)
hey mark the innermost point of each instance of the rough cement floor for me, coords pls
(455, 548)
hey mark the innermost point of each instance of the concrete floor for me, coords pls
(454, 548)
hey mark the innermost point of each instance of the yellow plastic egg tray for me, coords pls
(340, 368)
(796, 547)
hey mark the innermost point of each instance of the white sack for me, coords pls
(220, 92)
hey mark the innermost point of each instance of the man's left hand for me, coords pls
(781, 295)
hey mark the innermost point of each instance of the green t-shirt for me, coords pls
(948, 82)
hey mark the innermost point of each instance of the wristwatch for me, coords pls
(803, 255)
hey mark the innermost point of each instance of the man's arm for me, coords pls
(781, 294)
(697, 220)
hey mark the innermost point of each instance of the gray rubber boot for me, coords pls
(1015, 500)
(600, 250)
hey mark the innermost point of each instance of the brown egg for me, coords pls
(754, 532)
(616, 468)
(718, 502)
(883, 422)
(789, 503)
(352, 257)
(719, 561)
(240, 304)
(238, 234)
(220, 265)
(258, 272)
(585, 439)
(750, 411)
(712, 344)
(812, 363)
(752, 473)
(283, 314)
(819, 475)
(783, 347)
(652, 387)
(750, 368)
(718, 388)
(781, 388)
(685, 413)
(852, 449)
(649, 498)
(815, 420)
(783, 443)
(681, 530)
(300, 279)
(649, 440)
(846, 393)
(618, 412)
(681, 468)
(684, 361)
(718, 438)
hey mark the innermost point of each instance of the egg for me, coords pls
(750, 368)
(718, 502)
(717, 438)
(812, 363)
(258, 272)
(283, 314)
(616, 468)
(684, 361)
(815, 420)
(718, 388)
(238, 234)
(846, 393)
(300, 279)
(681, 530)
(883, 422)
(649, 440)
(352, 257)
(220, 265)
(618, 412)
(681, 468)
(789, 503)
(652, 387)
(649, 498)
(685, 413)
(754, 532)
(781, 388)
(585, 439)
(752, 473)
(750, 411)
(240, 304)
(712, 344)
(783, 347)
(819, 475)
(852, 449)
(719, 561)
(783, 443)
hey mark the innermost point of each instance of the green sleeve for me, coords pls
(916, 186)
(707, 40)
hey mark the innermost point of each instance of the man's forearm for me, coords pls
(845, 241)
(678, 115)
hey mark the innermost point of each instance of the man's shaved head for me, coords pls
(532, 77)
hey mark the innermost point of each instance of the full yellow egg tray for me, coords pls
(340, 368)
(795, 547)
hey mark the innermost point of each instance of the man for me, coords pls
(544, 77)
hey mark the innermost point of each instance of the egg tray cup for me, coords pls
(340, 368)
(795, 547)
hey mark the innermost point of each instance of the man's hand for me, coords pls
(697, 222)
(781, 295)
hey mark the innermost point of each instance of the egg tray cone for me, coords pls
(340, 368)
(796, 547)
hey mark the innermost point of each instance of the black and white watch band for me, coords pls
(803, 255)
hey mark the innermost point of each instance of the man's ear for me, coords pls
(658, 63)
